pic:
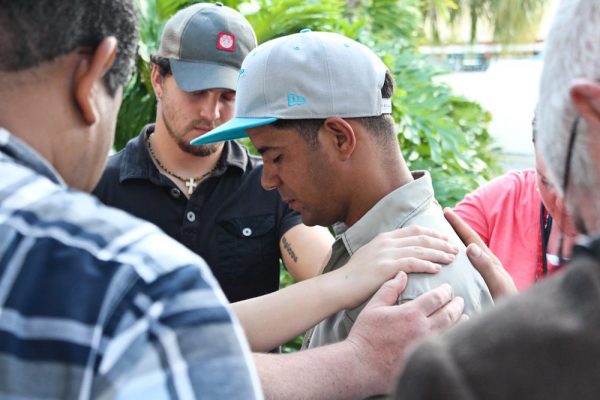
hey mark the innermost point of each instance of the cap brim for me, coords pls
(232, 129)
(195, 76)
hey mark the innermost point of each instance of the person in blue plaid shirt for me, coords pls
(95, 303)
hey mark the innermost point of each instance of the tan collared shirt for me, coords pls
(411, 204)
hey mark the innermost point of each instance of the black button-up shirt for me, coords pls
(229, 220)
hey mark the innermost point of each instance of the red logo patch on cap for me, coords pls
(226, 41)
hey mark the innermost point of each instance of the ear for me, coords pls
(157, 81)
(585, 96)
(89, 72)
(340, 134)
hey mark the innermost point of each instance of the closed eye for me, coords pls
(229, 96)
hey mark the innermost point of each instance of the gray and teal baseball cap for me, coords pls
(308, 75)
(206, 44)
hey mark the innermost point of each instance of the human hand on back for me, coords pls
(410, 249)
(383, 330)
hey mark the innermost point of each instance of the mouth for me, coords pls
(199, 130)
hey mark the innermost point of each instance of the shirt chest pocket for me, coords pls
(247, 242)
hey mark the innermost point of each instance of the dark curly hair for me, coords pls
(37, 31)
(163, 64)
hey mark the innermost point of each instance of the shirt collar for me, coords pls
(23, 154)
(137, 162)
(391, 212)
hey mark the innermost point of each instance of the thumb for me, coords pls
(389, 292)
(481, 261)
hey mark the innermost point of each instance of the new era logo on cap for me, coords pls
(225, 41)
(295, 100)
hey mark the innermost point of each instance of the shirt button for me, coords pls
(246, 232)
(175, 192)
(191, 216)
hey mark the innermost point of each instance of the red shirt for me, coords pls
(506, 214)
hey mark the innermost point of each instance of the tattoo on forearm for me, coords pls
(288, 247)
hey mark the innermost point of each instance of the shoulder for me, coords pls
(461, 275)
(511, 184)
(127, 162)
(115, 160)
(112, 171)
(254, 164)
(522, 181)
(508, 194)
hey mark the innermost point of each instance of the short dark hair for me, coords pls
(381, 126)
(37, 31)
(162, 63)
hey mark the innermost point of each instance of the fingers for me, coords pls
(481, 260)
(416, 230)
(416, 265)
(389, 292)
(448, 314)
(435, 299)
(497, 279)
(426, 242)
(464, 231)
(423, 253)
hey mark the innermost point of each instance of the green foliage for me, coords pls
(138, 107)
(274, 18)
(440, 132)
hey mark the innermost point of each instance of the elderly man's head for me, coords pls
(569, 109)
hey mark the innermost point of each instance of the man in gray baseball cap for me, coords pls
(317, 107)
(209, 197)
(205, 45)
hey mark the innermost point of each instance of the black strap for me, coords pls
(546, 227)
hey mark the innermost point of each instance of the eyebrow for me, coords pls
(262, 150)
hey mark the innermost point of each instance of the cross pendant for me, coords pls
(191, 184)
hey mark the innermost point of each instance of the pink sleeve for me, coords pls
(472, 209)
(494, 202)
(505, 213)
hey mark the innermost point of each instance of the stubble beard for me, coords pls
(204, 150)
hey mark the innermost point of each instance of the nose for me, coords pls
(208, 105)
(270, 179)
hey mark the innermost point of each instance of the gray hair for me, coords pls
(572, 53)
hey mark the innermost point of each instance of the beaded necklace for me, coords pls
(191, 183)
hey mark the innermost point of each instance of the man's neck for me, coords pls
(374, 187)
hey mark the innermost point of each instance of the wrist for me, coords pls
(338, 289)
(358, 370)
